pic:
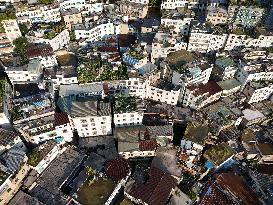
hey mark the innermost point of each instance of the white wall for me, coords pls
(128, 119)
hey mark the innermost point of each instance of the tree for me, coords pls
(45, 1)
(21, 45)
(23, 28)
(89, 171)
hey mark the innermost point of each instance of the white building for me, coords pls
(255, 92)
(253, 71)
(26, 73)
(95, 32)
(226, 67)
(60, 41)
(68, 4)
(170, 4)
(164, 43)
(181, 25)
(128, 111)
(11, 29)
(204, 39)
(217, 16)
(198, 96)
(88, 116)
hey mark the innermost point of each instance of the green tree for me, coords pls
(21, 45)
(89, 171)
(46, 1)
(23, 28)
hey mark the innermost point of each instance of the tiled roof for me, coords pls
(216, 196)
(147, 145)
(39, 50)
(210, 87)
(163, 130)
(156, 190)
(234, 184)
(6, 137)
(117, 169)
(61, 119)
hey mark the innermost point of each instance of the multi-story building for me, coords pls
(246, 16)
(44, 53)
(27, 73)
(204, 39)
(177, 22)
(256, 70)
(70, 4)
(198, 96)
(131, 10)
(165, 43)
(38, 14)
(60, 41)
(88, 115)
(5, 44)
(217, 16)
(11, 29)
(258, 91)
(94, 32)
(169, 4)
(71, 17)
(128, 111)
(226, 67)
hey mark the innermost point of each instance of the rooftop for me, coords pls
(21, 198)
(181, 57)
(229, 84)
(219, 153)
(124, 103)
(196, 133)
(26, 90)
(117, 169)
(211, 88)
(39, 50)
(7, 137)
(156, 190)
(265, 148)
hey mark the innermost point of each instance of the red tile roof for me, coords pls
(61, 119)
(147, 145)
(156, 190)
(234, 184)
(117, 169)
(39, 50)
(210, 87)
(214, 195)
(108, 49)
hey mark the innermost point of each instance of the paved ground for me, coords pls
(15, 185)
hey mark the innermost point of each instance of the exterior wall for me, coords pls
(92, 125)
(159, 51)
(229, 73)
(47, 159)
(11, 29)
(231, 91)
(68, 4)
(65, 131)
(204, 42)
(96, 32)
(48, 61)
(72, 19)
(156, 94)
(217, 18)
(22, 76)
(260, 94)
(60, 80)
(127, 155)
(128, 119)
(93, 8)
(182, 25)
(5, 185)
(139, 1)
(170, 4)
(59, 42)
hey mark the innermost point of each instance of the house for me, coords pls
(252, 116)
(22, 198)
(132, 9)
(168, 4)
(41, 156)
(43, 52)
(198, 96)
(149, 25)
(30, 72)
(248, 139)
(71, 17)
(128, 111)
(29, 102)
(11, 29)
(70, 4)
(88, 115)
(229, 86)
(226, 67)
(134, 141)
(5, 44)
(156, 190)
(205, 39)
(217, 16)
(266, 152)
(219, 154)
(47, 187)
(258, 91)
